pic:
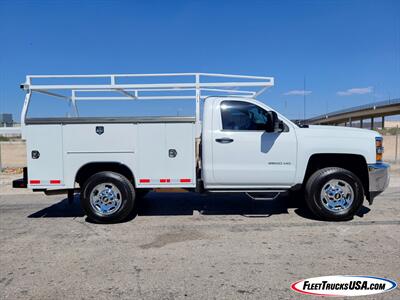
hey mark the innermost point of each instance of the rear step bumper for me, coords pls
(21, 183)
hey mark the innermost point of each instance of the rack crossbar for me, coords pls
(148, 85)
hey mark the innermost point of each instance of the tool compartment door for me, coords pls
(180, 150)
(45, 164)
(166, 155)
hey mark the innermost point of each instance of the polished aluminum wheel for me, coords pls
(105, 198)
(337, 195)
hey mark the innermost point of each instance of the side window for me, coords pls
(239, 115)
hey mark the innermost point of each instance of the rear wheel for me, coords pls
(334, 194)
(108, 197)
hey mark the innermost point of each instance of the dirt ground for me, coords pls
(13, 154)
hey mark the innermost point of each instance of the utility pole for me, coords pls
(304, 97)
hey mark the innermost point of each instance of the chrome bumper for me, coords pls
(378, 179)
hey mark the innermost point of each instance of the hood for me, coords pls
(341, 131)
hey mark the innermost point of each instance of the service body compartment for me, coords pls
(159, 154)
(98, 142)
(44, 156)
(166, 155)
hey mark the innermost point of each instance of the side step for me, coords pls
(270, 195)
(255, 194)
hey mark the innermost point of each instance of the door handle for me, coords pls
(224, 140)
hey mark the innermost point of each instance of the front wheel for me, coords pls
(334, 194)
(107, 197)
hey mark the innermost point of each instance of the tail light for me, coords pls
(379, 149)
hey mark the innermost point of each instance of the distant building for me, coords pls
(6, 120)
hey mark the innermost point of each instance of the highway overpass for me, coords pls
(367, 112)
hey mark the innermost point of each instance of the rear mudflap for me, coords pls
(21, 183)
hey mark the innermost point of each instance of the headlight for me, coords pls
(379, 149)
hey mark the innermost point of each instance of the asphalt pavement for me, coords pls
(188, 246)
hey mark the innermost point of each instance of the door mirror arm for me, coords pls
(281, 126)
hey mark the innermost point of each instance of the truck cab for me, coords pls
(235, 143)
(242, 149)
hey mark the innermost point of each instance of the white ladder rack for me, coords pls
(129, 87)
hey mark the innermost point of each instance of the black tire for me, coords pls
(125, 194)
(319, 180)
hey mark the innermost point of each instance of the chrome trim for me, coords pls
(378, 174)
(105, 198)
(337, 195)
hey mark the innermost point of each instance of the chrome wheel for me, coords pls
(105, 198)
(337, 195)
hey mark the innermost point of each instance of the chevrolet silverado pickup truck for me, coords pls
(233, 143)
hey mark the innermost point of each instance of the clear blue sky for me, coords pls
(349, 51)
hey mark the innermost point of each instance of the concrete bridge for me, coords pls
(361, 113)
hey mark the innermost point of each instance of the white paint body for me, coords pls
(255, 159)
(143, 148)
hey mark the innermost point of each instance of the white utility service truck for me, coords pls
(233, 143)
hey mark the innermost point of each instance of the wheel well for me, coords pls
(91, 168)
(352, 162)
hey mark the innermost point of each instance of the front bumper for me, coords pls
(378, 179)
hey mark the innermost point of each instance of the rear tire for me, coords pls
(334, 194)
(107, 197)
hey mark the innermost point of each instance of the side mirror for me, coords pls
(275, 125)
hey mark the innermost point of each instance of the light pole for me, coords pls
(304, 97)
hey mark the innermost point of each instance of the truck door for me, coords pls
(244, 154)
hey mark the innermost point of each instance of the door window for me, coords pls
(240, 115)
